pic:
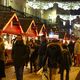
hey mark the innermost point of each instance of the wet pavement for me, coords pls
(10, 74)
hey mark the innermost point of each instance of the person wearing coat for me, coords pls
(77, 52)
(2, 59)
(19, 56)
(66, 62)
(71, 48)
(42, 50)
(53, 58)
(33, 58)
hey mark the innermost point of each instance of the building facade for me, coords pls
(15, 4)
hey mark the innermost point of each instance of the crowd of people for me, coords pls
(40, 53)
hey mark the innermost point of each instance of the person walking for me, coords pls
(71, 48)
(33, 58)
(2, 59)
(19, 56)
(66, 62)
(77, 52)
(53, 58)
(42, 50)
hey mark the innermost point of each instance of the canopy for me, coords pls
(43, 30)
(32, 30)
(13, 26)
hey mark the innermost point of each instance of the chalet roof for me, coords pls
(4, 18)
(9, 23)
(25, 23)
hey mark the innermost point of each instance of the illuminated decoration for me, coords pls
(56, 36)
(77, 26)
(7, 45)
(5, 37)
(66, 41)
(76, 30)
(32, 30)
(68, 17)
(47, 5)
(11, 28)
(40, 5)
(43, 31)
(51, 34)
(69, 5)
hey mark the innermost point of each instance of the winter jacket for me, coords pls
(66, 59)
(42, 48)
(19, 53)
(34, 54)
(53, 55)
(2, 55)
(77, 47)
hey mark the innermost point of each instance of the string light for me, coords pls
(47, 5)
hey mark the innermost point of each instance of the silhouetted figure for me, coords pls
(53, 56)
(66, 63)
(42, 50)
(68, 26)
(71, 48)
(19, 56)
(2, 59)
(77, 52)
(33, 58)
(59, 22)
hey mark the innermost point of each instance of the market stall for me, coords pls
(9, 31)
(43, 30)
(32, 31)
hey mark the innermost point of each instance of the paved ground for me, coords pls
(10, 74)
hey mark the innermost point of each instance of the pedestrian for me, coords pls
(42, 49)
(2, 59)
(19, 56)
(52, 57)
(77, 52)
(33, 58)
(66, 62)
(28, 53)
(71, 48)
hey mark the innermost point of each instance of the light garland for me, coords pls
(47, 5)
(40, 5)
